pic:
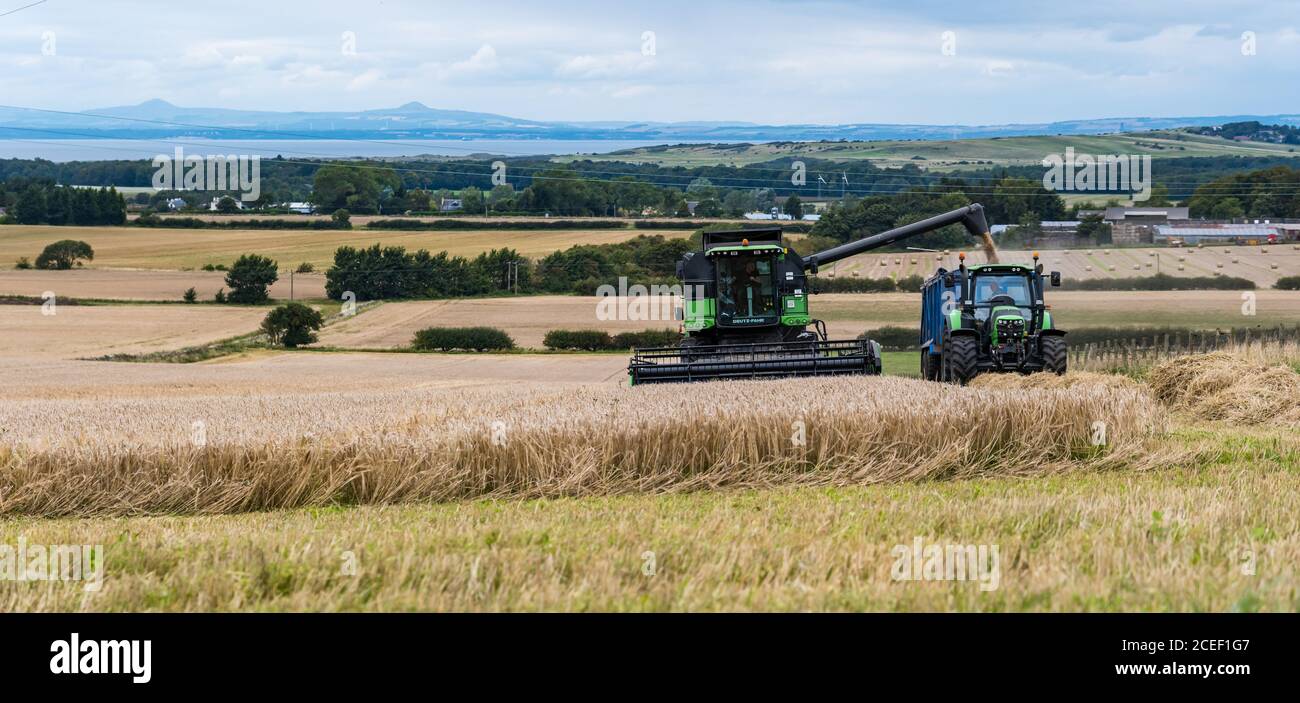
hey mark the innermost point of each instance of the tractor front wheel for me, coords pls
(1054, 355)
(960, 359)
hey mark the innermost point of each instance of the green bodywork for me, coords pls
(699, 314)
(748, 249)
(1002, 312)
(794, 310)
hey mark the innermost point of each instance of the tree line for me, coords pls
(379, 272)
(44, 203)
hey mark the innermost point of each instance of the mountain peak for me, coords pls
(414, 105)
(156, 102)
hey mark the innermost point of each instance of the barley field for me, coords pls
(126, 284)
(77, 331)
(175, 249)
(238, 454)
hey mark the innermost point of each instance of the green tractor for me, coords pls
(989, 318)
(745, 311)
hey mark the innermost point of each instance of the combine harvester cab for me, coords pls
(988, 318)
(745, 309)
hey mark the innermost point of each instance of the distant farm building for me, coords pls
(1135, 225)
(1218, 234)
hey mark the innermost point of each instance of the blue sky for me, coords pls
(753, 60)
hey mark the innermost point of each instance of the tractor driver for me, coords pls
(992, 289)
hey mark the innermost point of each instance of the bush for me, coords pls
(458, 338)
(249, 277)
(597, 340)
(22, 263)
(64, 254)
(209, 267)
(1288, 283)
(190, 295)
(647, 338)
(292, 324)
(578, 340)
(910, 284)
(413, 224)
(818, 284)
(305, 267)
(1162, 281)
(894, 338)
(341, 219)
(220, 296)
(265, 223)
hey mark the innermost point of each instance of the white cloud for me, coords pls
(589, 67)
(365, 80)
(1016, 60)
(632, 91)
(482, 62)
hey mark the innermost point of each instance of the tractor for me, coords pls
(745, 308)
(988, 318)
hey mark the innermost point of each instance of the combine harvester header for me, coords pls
(746, 313)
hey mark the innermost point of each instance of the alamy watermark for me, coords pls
(1107, 173)
(53, 562)
(641, 302)
(233, 172)
(947, 562)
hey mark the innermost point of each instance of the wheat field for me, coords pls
(330, 481)
(237, 454)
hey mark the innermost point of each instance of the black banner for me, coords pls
(241, 653)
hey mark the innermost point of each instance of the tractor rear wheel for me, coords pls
(960, 359)
(1054, 355)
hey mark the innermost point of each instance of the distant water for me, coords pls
(108, 149)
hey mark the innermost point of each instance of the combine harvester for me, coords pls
(746, 308)
(988, 318)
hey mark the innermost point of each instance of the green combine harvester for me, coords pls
(746, 314)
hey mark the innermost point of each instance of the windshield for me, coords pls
(746, 290)
(1014, 286)
(988, 287)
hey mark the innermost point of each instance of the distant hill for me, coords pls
(159, 118)
(950, 154)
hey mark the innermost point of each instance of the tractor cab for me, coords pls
(1004, 304)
